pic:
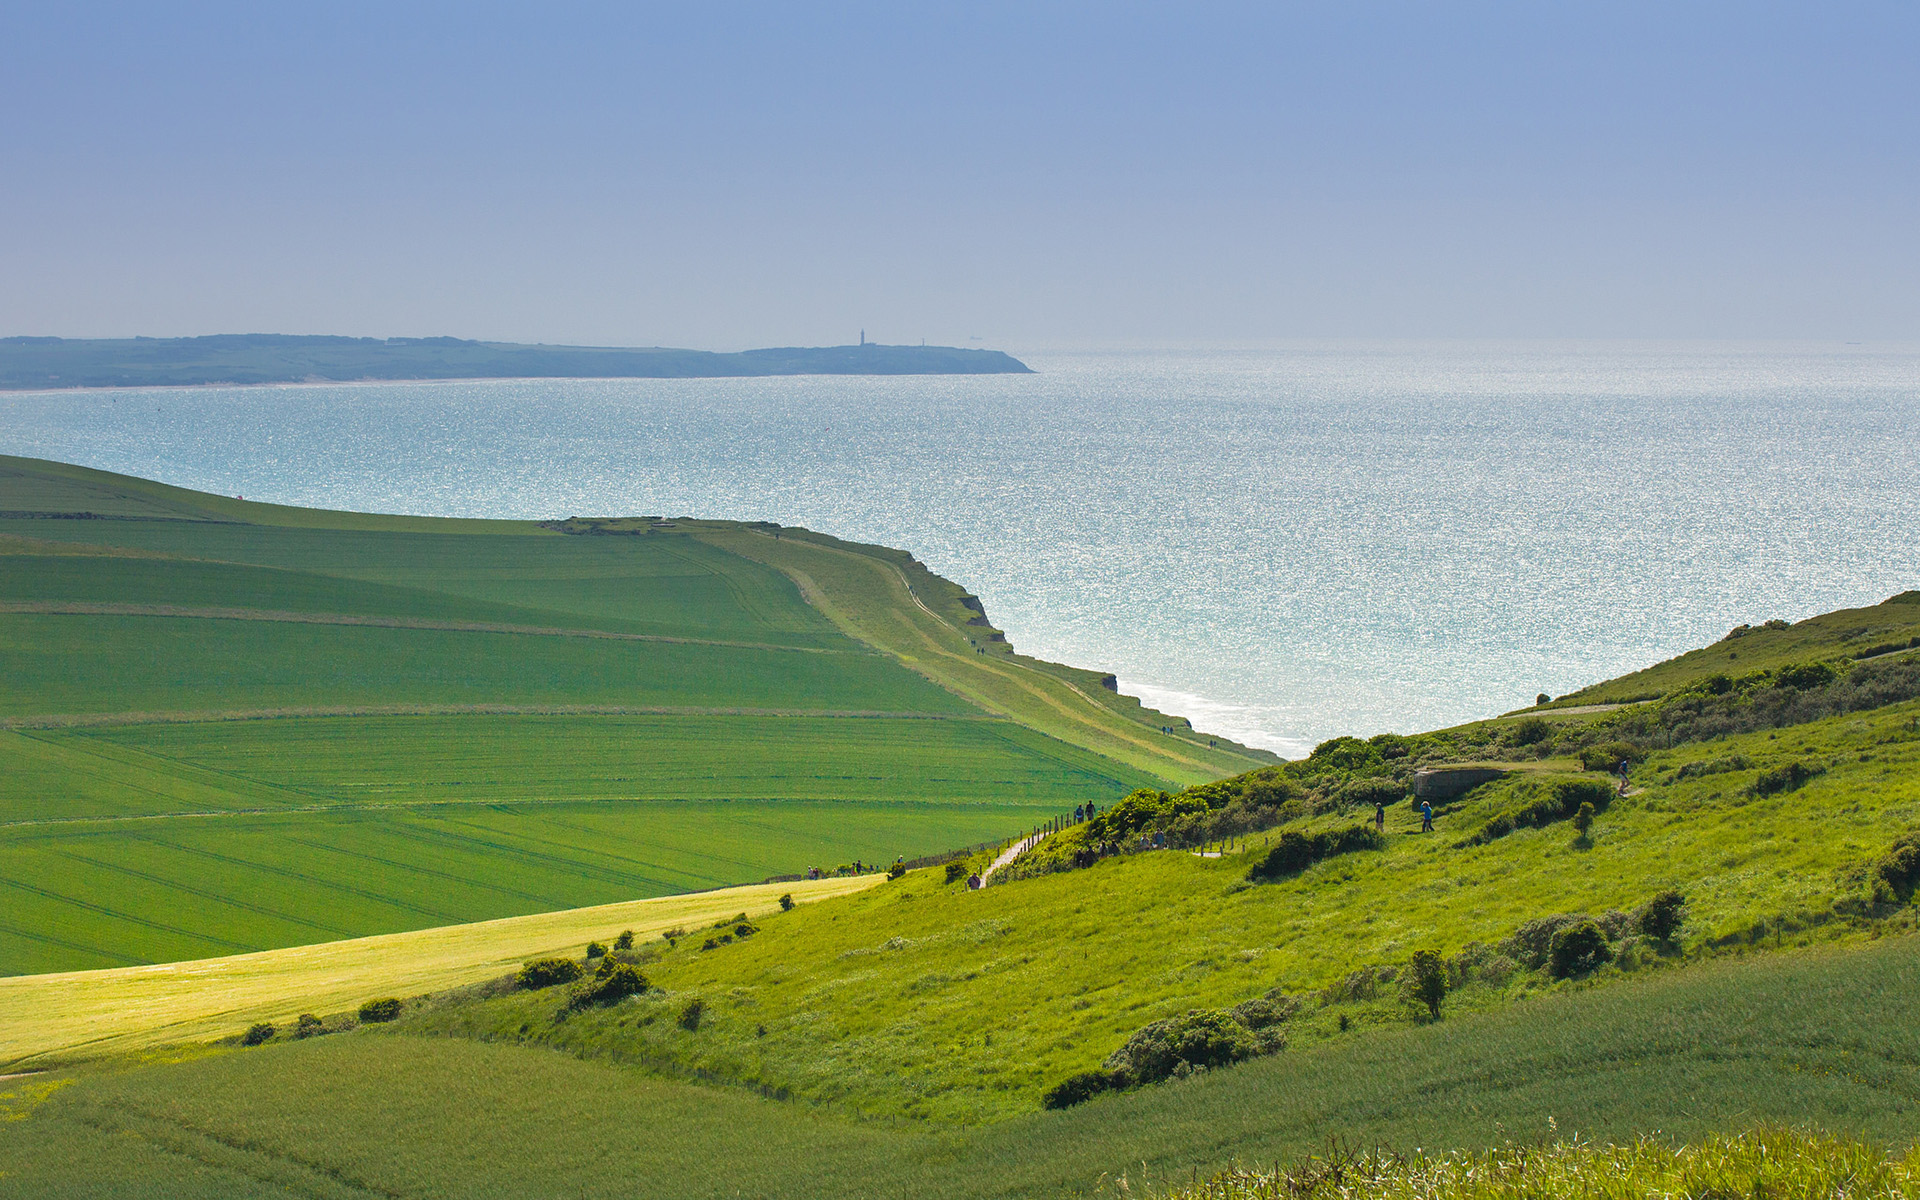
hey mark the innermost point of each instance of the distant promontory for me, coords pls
(32, 363)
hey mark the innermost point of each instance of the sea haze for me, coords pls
(1283, 544)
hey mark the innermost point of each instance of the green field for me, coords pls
(1789, 1038)
(227, 726)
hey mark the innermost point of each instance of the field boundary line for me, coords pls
(207, 716)
(191, 612)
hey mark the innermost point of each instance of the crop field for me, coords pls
(1685, 1052)
(970, 1004)
(48, 1018)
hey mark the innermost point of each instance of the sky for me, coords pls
(1029, 174)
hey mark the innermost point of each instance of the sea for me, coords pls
(1282, 543)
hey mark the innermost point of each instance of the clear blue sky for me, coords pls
(725, 175)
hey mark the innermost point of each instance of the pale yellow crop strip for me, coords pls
(48, 1018)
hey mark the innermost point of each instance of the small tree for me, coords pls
(624, 941)
(1426, 981)
(595, 950)
(546, 972)
(1583, 819)
(257, 1034)
(786, 902)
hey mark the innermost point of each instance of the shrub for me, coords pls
(1365, 793)
(786, 902)
(1531, 730)
(735, 919)
(1583, 818)
(1577, 949)
(1661, 917)
(1425, 982)
(1294, 852)
(1789, 778)
(373, 1012)
(1078, 1089)
(896, 870)
(308, 1025)
(546, 972)
(1899, 869)
(1542, 699)
(1344, 754)
(745, 929)
(624, 941)
(691, 1014)
(257, 1034)
(1178, 1046)
(1265, 1011)
(1608, 756)
(595, 950)
(1801, 676)
(612, 987)
(1531, 944)
(956, 870)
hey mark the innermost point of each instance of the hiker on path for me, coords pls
(1426, 816)
(1380, 816)
(973, 881)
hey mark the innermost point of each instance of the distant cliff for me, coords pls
(34, 362)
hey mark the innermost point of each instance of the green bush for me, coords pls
(1577, 949)
(546, 972)
(1294, 852)
(611, 987)
(1178, 1046)
(1899, 869)
(624, 941)
(1265, 1012)
(307, 1025)
(1789, 778)
(1608, 756)
(1661, 917)
(373, 1012)
(1425, 982)
(1583, 817)
(786, 902)
(1531, 730)
(1366, 793)
(956, 870)
(690, 1015)
(896, 870)
(256, 1034)
(1078, 1089)
(595, 950)
(1801, 676)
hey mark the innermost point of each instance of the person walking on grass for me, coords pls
(1379, 816)
(1426, 816)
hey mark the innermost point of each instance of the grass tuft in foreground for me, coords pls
(1779, 1164)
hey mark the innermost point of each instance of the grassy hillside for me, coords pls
(228, 726)
(921, 998)
(1787, 1038)
(1844, 635)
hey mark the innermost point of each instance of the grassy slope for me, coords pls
(430, 793)
(1787, 1038)
(1847, 633)
(923, 999)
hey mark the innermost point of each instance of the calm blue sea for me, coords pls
(1283, 544)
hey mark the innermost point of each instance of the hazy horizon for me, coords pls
(1061, 176)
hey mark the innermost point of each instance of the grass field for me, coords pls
(1792, 1038)
(227, 726)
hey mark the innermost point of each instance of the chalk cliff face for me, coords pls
(34, 363)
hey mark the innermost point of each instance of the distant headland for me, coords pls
(35, 363)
